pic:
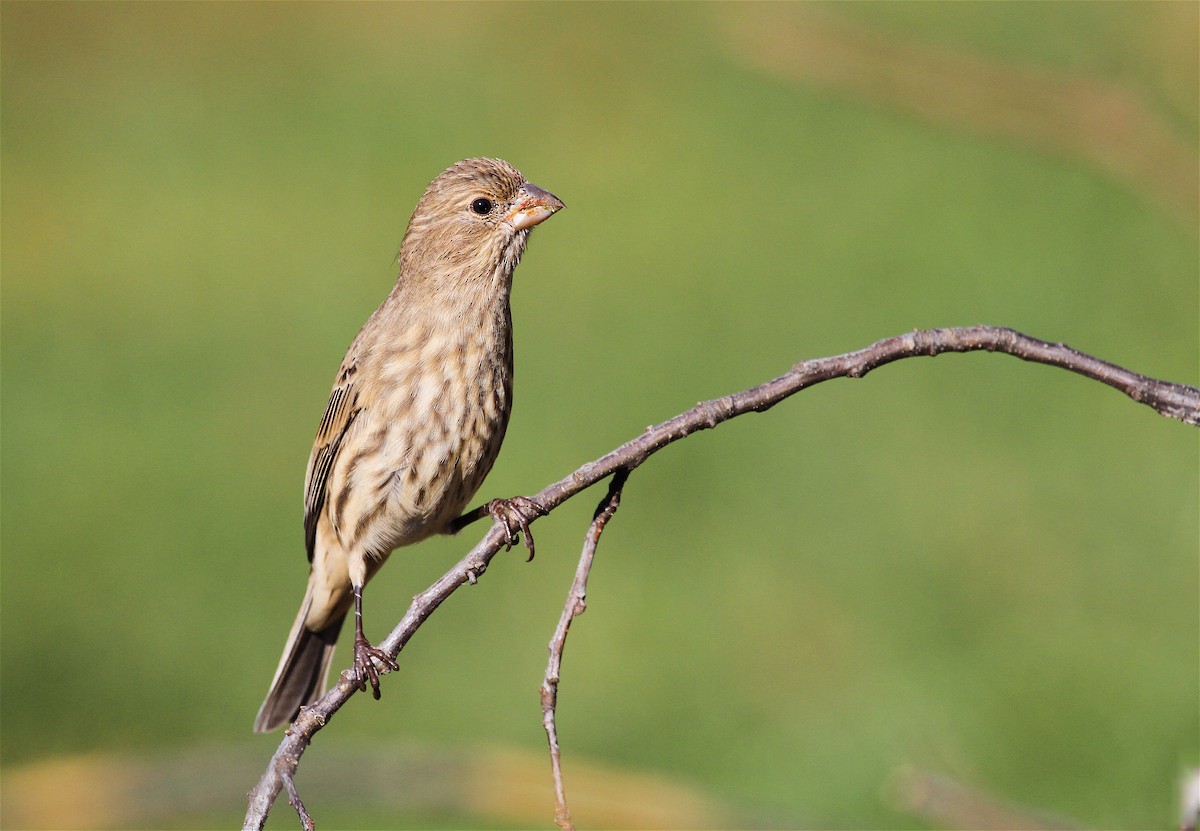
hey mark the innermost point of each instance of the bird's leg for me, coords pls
(365, 655)
(466, 519)
(518, 511)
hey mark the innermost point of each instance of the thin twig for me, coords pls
(575, 605)
(1177, 401)
(289, 784)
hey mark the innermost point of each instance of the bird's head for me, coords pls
(477, 214)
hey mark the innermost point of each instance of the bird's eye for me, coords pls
(482, 206)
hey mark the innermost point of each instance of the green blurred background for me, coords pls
(973, 572)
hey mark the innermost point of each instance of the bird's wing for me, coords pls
(339, 415)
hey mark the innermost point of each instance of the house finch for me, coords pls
(416, 416)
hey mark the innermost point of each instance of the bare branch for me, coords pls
(1177, 401)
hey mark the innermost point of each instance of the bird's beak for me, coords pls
(533, 206)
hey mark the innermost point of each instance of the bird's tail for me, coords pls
(303, 670)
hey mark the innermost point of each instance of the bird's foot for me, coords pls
(365, 670)
(515, 514)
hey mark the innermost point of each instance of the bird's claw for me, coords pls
(518, 511)
(365, 671)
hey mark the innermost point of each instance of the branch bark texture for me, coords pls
(1177, 401)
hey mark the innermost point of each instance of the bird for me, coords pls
(418, 411)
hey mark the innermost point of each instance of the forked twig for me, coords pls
(1177, 401)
